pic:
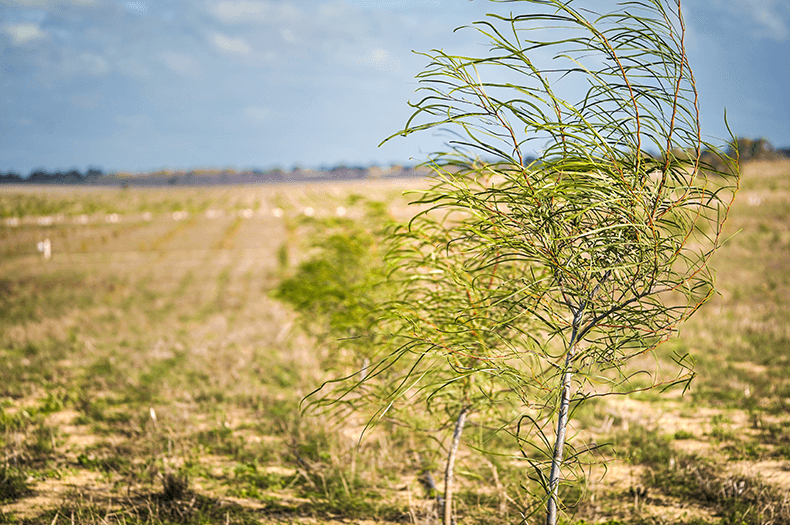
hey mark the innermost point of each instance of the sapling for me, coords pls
(527, 286)
(598, 248)
(436, 373)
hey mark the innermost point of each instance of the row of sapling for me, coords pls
(527, 286)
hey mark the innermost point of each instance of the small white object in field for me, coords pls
(754, 200)
(247, 214)
(213, 214)
(147, 216)
(309, 212)
(45, 221)
(152, 412)
(45, 247)
(179, 215)
(13, 221)
(278, 212)
(112, 218)
(340, 211)
(82, 219)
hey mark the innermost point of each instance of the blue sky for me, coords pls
(149, 84)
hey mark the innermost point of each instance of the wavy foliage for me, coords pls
(526, 287)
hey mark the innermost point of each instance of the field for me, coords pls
(149, 375)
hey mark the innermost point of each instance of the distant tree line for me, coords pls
(203, 177)
(42, 176)
(759, 149)
(749, 149)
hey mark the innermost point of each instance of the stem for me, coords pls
(559, 444)
(562, 420)
(562, 426)
(448, 473)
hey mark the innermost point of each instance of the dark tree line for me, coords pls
(759, 149)
(42, 176)
(749, 149)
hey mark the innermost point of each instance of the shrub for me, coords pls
(529, 286)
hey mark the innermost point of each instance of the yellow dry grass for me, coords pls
(157, 347)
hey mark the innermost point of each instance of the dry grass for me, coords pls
(150, 377)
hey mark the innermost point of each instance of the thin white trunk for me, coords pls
(559, 444)
(562, 420)
(448, 473)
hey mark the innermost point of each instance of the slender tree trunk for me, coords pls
(562, 420)
(559, 444)
(448, 473)
(565, 402)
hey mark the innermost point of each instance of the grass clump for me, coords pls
(737, 500)
(13, 484)
(690, 478)
(642, 446)
(147, 508)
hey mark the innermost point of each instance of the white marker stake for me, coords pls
(45, 247)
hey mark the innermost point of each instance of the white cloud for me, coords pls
(182, 63)
(138, 7)
(84, 63)
(227, 44)
(333, 9)
(761, 18)
(22, 34)
(771, 17)
(380, 59)
(240, 11)
(133, 67)
(288, 35)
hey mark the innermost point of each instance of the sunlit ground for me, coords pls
(149, 376)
